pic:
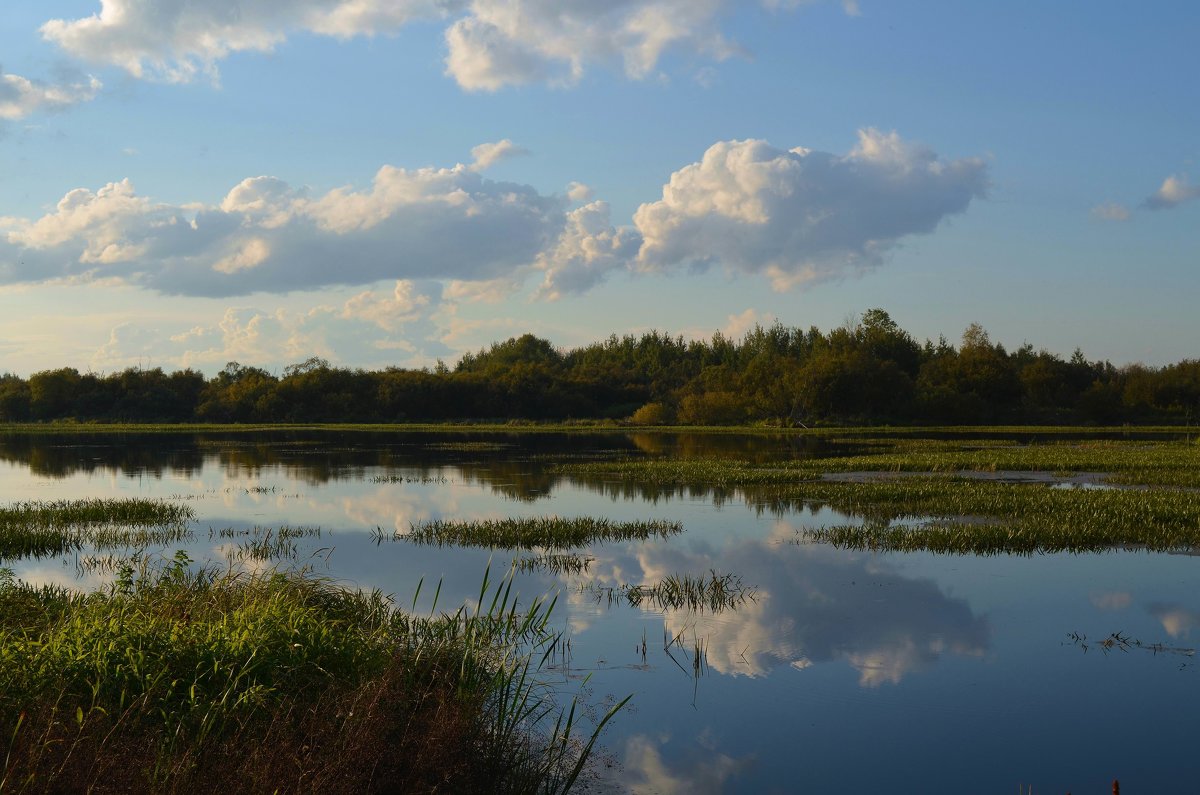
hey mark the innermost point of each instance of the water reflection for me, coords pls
(812, 605)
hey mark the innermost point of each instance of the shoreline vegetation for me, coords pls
(178, 679)
(868, 372)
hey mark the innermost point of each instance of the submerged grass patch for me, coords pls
(39, 529)
(183, 681)
(712, 592)
(554, 563)
(549, 532)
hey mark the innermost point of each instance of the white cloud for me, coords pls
(490, 43)
(736, 326)
(508, 42)
(1111, 211)
(578, 192)
(802, 216)
(797, 216)
(175, 40)
(1175, 190)
(21, 97)
(487, 155)
(429, 223)
(588, 249)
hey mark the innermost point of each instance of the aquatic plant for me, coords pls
(40, 529)
(549, 532)
(714, 593)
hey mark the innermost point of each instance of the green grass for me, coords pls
(1156, 463)
(548, 532)
(181, 680)
(41, 529)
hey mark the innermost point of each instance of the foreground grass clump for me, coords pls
(39, 529)
(183, 681)
(549, 532)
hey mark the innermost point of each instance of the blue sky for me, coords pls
(386, 182)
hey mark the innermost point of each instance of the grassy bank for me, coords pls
(194, 681)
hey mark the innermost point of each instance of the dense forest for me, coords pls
(869, 372)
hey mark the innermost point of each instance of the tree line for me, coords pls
(871, 371)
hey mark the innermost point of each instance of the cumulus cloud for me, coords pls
(490, 43)
(578, 192)
(588, 249)
(264, 235)
(796, 216)
(175, 40)
(507, 42)
(486, 155)
(1111, 211)
(1175, 190)
(20, 96)
(802, 216)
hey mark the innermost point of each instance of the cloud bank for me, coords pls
(797, 216)
(267, 236)
(490, 43)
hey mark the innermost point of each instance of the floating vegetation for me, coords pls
(554, 563)
(438, 480)
(714, 593)
(1119, 641)
(180, 680)
(549, 532)
(41, 529)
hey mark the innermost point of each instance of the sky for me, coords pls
(185, 183)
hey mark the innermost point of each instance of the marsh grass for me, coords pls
(42, 529)
(713, 592)
(185, 680)
(553, 563)
(1148, 463)
(548, 532)
(968, 516)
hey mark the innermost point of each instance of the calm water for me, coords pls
(850, 672)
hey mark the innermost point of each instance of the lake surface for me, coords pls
(847, 671)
